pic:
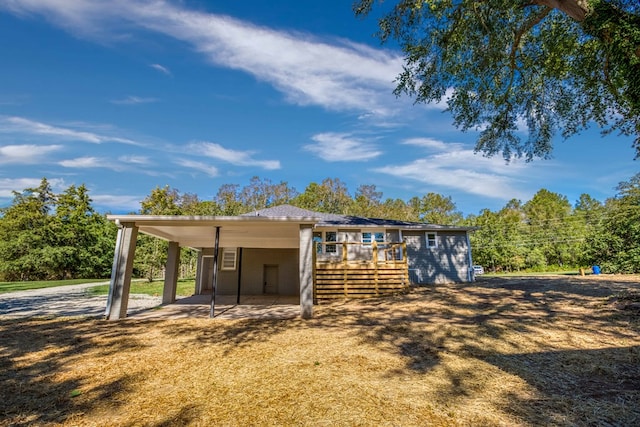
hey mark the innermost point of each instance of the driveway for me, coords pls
(75, 301)
(65, 301)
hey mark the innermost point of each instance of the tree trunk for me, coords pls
(577, 9)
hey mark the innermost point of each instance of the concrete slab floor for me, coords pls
(251, 306)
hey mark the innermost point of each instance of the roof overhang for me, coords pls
(245, 231)
(235, 231)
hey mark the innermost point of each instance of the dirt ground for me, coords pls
(548, 350)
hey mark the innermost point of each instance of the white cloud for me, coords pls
(21, 125)
(238, 158)
(341, 147)
(451, 165)
(8, 185)
(335, 74)
(134, 100)
(84, 162)
(160, 68)
(199, 166)
(429, 143)
(135, 160)
(26, 154)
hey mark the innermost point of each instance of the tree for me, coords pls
(228, 200)
(161, 201)
(615, 243)
(397, 209)
(49, 236)
(331, 196)
(437, 209)
(367, 202)
(554, 65)
(262, 193)
(548, 230)
(151, 253)
(83, 238)
(26, 237)
(499, 242)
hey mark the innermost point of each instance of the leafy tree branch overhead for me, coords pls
(554, 66)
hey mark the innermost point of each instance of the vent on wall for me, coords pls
(229, 257)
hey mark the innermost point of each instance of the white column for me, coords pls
(120, 283)
(306, 271)
(171, 273)
(199, 265)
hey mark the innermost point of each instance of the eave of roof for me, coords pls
(203, 220)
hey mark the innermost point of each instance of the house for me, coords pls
(287, 250)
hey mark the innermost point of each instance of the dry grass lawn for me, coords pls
(502, 351)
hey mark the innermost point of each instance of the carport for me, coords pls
(208, 234)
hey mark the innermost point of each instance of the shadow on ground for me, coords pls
(578, 352)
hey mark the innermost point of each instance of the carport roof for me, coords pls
(235, 231)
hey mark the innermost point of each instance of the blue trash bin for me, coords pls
(595, 269)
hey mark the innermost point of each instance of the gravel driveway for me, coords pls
(62, 301)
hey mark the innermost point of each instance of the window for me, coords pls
(368, 237)
(432, 240)
(317, 241)
(228, 259)
(329, 236)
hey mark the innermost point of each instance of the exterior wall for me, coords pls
(449, 262)
(252, 264)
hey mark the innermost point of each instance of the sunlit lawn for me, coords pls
(185, 288)
(509, 351)
(23, 286)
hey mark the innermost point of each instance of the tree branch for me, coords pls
(516, 43)
(576, 9)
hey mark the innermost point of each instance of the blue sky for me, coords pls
(128, 95)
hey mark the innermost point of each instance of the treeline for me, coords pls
(46, 236)
(54, 236)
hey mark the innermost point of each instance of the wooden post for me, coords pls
(345, 269)
(314, 260)
(405, 261)
(374, 249)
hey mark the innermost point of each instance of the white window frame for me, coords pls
(229, 261)
(324, 244)
(429, 241)
(373, 235)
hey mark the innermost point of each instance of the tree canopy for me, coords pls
(550, 65)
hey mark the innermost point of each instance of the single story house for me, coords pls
(287, 250)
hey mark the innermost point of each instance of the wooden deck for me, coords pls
(378, 276)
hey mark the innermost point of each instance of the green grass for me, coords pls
(23, 286)
(537, 273)
(185, 288)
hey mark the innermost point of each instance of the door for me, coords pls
(270, 279)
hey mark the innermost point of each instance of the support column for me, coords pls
(306, 271)
(214, 278)
(171, 274)
(199, 276)
(120, 283)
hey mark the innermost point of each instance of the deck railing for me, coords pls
(345, 276)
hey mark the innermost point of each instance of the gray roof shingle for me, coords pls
(332, 220)
(288, 211)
